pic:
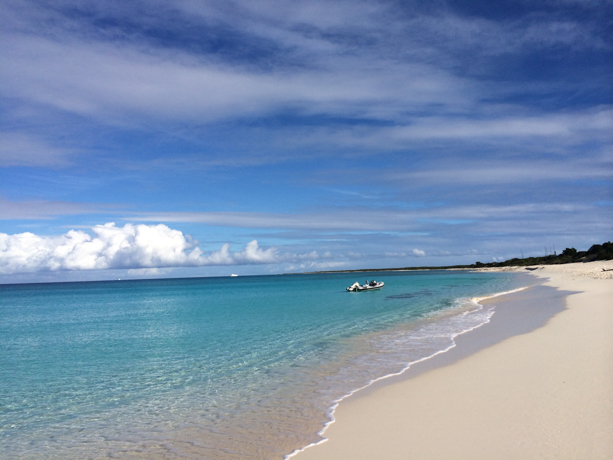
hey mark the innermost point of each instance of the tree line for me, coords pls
(596, 252)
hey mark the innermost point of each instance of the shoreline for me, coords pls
(437, 359)
(400, 374)
(369, 422)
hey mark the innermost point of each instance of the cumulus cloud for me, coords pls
(419, 253)
(136, 247)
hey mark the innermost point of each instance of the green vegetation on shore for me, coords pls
(596, 252)
(569, 255)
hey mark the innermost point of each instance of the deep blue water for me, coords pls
(210, 367)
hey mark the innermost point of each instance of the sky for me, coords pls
(207, 138)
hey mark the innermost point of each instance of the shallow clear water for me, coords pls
(243, 367)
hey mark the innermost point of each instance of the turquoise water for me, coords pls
(244, 367)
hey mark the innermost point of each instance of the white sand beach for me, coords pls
(546, 393)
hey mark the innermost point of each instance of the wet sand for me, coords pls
(535, 382)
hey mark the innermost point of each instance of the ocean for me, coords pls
(212, 368)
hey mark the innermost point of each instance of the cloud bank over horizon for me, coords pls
(128, 247)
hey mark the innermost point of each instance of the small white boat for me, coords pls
(233, 275)
(368, 286)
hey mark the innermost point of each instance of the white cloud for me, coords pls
(118, 84)
(131, 246)
(500, 173)
(401, 65)
(364, 219)
(395, 254)
(43, 209)
(578, 125)
(19, 149)
(400, 70)
(148, 271)
(316, 266)
(531, 133)
(414, 252)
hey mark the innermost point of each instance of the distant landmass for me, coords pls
(569, 255)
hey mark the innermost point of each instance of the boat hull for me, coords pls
(365, 287)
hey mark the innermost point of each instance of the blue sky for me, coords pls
(203, 138)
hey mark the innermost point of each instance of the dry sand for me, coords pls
(542, 388)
